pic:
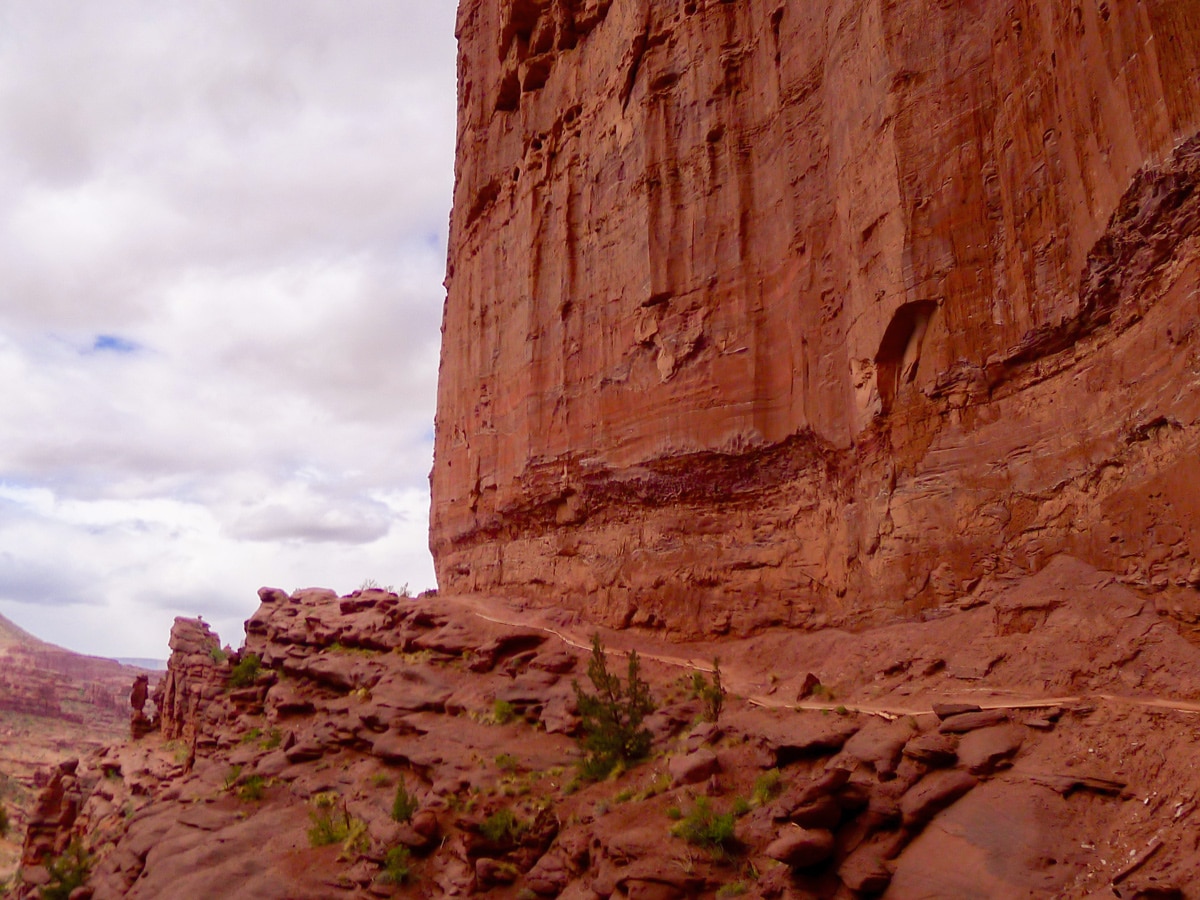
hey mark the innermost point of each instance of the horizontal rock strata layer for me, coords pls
(789, 313)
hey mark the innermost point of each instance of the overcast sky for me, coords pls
(221, 254)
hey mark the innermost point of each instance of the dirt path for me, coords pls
(745, 689)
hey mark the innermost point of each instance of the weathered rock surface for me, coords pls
(770, 313)
(856, 805)
(54, 705)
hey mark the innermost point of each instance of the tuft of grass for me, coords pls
(705, 827)
(246, 671)
(822, 692)
(252, 735)
(503, 712)
(767, 787)
(231, 777)
(733, 889)
(502, 826)
(404, 805)
(252, 789)
(674, 813)
(507, 762)
(218, 655)
(740, 807)
(272, 740)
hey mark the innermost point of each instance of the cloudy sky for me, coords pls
(221, 252)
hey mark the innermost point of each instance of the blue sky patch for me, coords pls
(110, 343)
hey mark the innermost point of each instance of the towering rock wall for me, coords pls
(806, 312)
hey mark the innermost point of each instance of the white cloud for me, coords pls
(221, 257)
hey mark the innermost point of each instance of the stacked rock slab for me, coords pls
(195, 678)
(768, 312)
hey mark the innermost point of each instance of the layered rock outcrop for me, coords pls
(800, 313)
(391, 746)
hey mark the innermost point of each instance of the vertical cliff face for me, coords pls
(777, 312)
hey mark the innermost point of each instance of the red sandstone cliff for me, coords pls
(782, 312)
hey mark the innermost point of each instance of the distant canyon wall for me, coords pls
(818, 312)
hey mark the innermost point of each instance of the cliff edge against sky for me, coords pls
(798, 313)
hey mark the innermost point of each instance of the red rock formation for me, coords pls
(765, 312)
(961, 755)
(195, 677)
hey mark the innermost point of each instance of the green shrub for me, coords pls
(252, 735)
(246, 671)
(507, 762)
(712, 695)
(330, 825)
(218, 655)
(611, 718)
(740, 807)
(397, 866)
(502, 826)
(252, 789)
(67, 872)
(766, 787)
(707, 828)
(503, 712)
(404, 805)
(674, 813)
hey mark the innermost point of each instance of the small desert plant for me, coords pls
(404, 805)
(503, 712)
(67, 872)
(252, 789)
(611, 718)
(397, 866)
(218, 655)
(707, 828)
(733, 889)
(821, 692)
(712, 695)
(245, 672)
(507, 762)
(740, 807)
(272, 740)
(502, 826)
(674, 813)
(330, 825)
(766, 787)
(252, 735)
(231, 777)
(357, 838)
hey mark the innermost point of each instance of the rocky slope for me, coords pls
(765, 313)
(54, 704)
(1036, 740)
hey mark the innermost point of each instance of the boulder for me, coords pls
(801, 848)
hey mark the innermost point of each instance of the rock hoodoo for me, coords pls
(787, 313)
